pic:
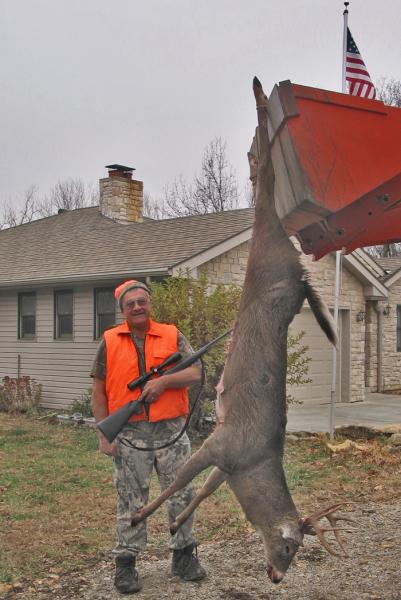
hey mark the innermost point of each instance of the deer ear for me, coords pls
(291, 533)
(306, 527)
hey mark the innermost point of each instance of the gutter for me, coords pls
(97, 277)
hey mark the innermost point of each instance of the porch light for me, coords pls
(360, 317)
(387, 310)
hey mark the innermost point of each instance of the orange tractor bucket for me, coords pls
(337, 160)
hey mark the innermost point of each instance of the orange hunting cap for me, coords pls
(131, 284)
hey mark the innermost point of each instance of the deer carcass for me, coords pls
(246, 448)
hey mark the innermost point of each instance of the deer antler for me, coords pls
(310, 526)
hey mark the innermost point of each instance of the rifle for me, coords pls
(114, 423)
(139, 381)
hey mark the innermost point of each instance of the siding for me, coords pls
(352, 299)
(320, 353)
(61, 366)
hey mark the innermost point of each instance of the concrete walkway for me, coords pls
(378, 411)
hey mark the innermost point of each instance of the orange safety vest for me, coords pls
(122, 367)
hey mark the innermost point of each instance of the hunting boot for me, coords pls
(186, 565)
(126, 579)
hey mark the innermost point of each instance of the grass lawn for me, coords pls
(57, 498)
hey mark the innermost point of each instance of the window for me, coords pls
(27, 315)
(399, 328)
(105, 310)
(63, 301)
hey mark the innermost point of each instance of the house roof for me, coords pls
(83, 244)
(367, 259)
(392, 268)
(390, 263)
(386, 271)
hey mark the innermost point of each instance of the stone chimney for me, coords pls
(121, 197)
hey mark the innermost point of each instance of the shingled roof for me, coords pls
(390, 263)
(84, 244)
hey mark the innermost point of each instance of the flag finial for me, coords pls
(346, 4)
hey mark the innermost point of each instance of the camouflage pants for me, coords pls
(132, 474)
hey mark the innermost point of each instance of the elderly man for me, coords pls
(126, 352)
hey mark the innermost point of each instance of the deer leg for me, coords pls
(197, 463)
(215, 479)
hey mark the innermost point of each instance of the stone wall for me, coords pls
(391, 358)
(229, 267)
(371, 348)
(121, 199)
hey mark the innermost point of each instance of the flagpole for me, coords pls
(345, 15)
(334, 355)
(338, 260)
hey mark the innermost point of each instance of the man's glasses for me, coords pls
(139, 303)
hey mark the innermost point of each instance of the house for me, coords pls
(57, 277)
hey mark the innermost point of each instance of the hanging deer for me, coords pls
(246, 447)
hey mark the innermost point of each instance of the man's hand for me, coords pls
(153, 389)
(100, 412)
(110, 449)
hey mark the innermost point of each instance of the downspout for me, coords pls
(379, 312)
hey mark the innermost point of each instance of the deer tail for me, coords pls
(321, 312)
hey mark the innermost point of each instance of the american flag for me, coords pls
(356, 73)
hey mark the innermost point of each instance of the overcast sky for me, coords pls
(86, 83)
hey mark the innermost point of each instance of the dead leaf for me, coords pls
(17, 587)
(5, 587)
(346, 445)
(341, 447)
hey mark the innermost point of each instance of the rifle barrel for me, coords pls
(187, 362)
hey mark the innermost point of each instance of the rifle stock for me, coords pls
(112, 425)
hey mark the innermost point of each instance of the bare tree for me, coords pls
(389, 91)
(249, 193)
(69, 194)
(179, 199)
(154, 209)
(11, 216)
(384, 250)
(214, 189)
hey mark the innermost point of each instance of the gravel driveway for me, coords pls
(236, 569)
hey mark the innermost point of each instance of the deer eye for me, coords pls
(287, 549)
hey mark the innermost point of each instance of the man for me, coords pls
(126, 352)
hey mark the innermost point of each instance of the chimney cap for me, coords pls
(120, 168)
